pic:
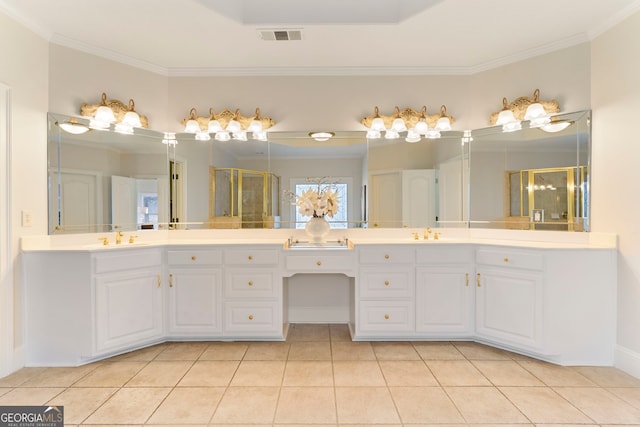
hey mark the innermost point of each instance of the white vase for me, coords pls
(317, 228)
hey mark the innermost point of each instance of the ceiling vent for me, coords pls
(280, 35)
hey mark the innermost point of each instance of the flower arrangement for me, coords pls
(319, 201)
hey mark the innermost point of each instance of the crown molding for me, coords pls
(108, 54)
(615, 19)
(11, 12)
(316, 71)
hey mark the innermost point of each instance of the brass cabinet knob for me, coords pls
(506, 260)
(319, 263)
(250, 283)
(171, 280)
(251, 317)
(386, 283)
(386, 316)
(478, 280)
(193, 257)
(249, 257)
(386, 256)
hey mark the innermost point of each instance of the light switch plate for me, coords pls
(27, 218)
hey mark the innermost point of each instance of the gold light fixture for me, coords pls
(227, 125)
(73, 126)
(537, 112)
(417, 124)
(112, 111)
(322, 136)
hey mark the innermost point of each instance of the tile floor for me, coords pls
(320, 377)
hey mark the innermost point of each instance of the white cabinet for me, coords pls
(128, 298)
(195, 296)
(445, 293)
(509, 297)
(385, 292)
(253, 301)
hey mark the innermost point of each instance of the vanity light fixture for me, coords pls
(169, 138)
(73, 126)
(322, 136)
(227, 125)
(417, 124)
(537, 112)
(101, 116)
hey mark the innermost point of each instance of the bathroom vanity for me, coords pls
(547, 295)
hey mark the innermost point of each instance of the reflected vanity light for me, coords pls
(322, 136)
(417, 124)
(227, 125)
(169, 138)
(108, 112)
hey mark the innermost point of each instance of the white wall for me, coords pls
(26, 75)
(615, 88)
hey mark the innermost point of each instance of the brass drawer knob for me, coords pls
(251, 317)
(193, 258)
(386, 283)
(386, 256)
(386, 316)
(506, 260)
(319, 263)
(249, 257)
(250, 283)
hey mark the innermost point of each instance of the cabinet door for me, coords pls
(128, 309)
(444, 301)
(509, 306)
(195, 302)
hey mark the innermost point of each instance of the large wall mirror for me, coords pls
(105, 181)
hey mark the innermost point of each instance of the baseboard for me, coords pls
(627, 360)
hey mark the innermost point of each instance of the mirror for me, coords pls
(104, 181)
(532, 179)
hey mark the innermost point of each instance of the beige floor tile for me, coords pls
(160, 374)
(111, 374)
(456, 373)
(395, 351)
(477, 351)
(554, 375)
(267, 351)
(259, 373)
(5, 390)
(225, 351)
(19, 377)
(250, 405)
(30, 396)
(182, 351)
(129, 406)
(407, 373)
(606, 376)
(424, 405)
(365, 405)
(339, 332)
(59, 377)
(310, 350)
(601, 405)
(306, 405)
(146, 354)
(210, 373)
(629, 395)
(357, 373)
(308, 373)
(506, 373)
(308, 332)
(542, 405)
(437, 351)
(352, 351)
(484, 405)
(189, 405)
(79, 403)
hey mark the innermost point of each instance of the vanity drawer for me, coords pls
(248, 256)
(444, 254)
(385, 284)
(510, 258)
(252, 317)
(386, 316)
(195, 257)
(386, 255)
(127, 260)
(250, 283)
(319, 263)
